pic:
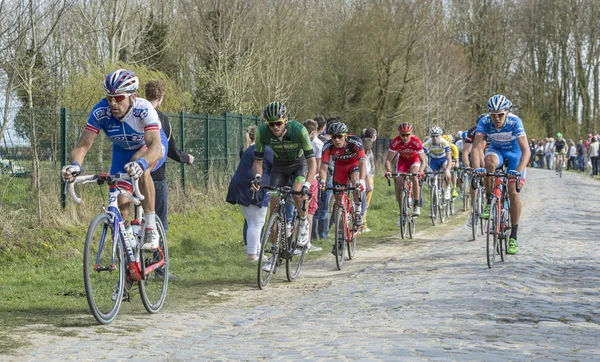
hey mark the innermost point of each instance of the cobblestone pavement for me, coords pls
(432, 298)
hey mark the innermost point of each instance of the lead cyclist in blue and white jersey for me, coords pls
(139, 144)
(506, 134)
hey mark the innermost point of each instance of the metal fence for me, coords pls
(213, 140)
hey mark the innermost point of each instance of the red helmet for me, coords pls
(405, 127)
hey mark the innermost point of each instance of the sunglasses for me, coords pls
(275, 124)
(337, 136)
(405, 134)
(498, 115)
(117, 98)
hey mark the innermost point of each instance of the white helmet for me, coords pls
(458, 135)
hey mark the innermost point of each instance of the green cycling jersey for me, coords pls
(293, 145)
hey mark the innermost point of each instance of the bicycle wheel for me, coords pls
(153, 288)
(104, 282)
(263, 277)
(505, 224)
(560, 168)
(340, 237)
(492, 233)
(433, 200)
(443, 206)
(403, 205)
(466, 193)
(410, 219)
(351, 243)
(293, 263)
(451, 207)
(475, 211)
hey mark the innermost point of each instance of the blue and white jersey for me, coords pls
(505, 138)
(127, 133)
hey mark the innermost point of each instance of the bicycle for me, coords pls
(477, 205)
(559, 164)
(463, 176)
(499, 221)
(438, 203)
(112, 260)
(345, 230)
(407, 218)
(286, 247)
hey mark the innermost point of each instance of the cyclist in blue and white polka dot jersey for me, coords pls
(139, 144)
(506, 134)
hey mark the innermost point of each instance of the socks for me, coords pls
(513, 231)
(150, 220)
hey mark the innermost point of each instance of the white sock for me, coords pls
(150, 220)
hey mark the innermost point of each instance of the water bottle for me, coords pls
(136, 227)
(129, 232)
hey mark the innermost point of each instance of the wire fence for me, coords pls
(213, 140)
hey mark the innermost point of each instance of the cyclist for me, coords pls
(560, 150)
(348, 155)
(294, 160)
(131, 123)
(508, 140)
(411, 159)
(454, 156)
(467, 155)
(440, 157)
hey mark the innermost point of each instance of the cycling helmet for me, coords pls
(273, 111)
(121, 81)
(559, 135)
(337, 128)
(459, 135)
(464, 134)
(436, 131)
(448, 138)
(405, 127)
(499, 103)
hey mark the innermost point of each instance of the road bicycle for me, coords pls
(278, 242)
(559, 164)
(346, 231)
(477, 205)
(499, 222)
(439, 206)
(113, 260)
(407, 218)
(465, 188)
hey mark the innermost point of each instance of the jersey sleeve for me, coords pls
(519, 129)
(425, 146)
(99, 116)
(358, 147)
(259, 146)
(148, 115)
(481, 125)
(326, 155)
(418, 144)
(446, 146)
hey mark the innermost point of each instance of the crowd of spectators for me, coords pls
(581, 155)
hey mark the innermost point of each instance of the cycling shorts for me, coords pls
(405, 164)
(121, 157)
(341, 173)
(438, 164)
(285, 173)
(512, 157)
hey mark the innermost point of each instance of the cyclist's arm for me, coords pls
(388, 162)
(478, 145)
(83, 146)
(323, 171)
(525, 153)
(312, 168)
(448, 160)
(423, 161)
(466, 153)
(152, 140)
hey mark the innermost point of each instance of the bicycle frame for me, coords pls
(345, 204)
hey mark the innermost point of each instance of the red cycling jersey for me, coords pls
(408, 153)
(345, 159)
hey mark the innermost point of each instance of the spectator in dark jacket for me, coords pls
(155, 94)
(254, 210)
(580, 160)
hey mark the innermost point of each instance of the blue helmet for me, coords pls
(121, 81)
(499, 103)
(464, 135)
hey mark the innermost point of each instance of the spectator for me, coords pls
(593, 155)
(532, 147)
(549, 152)
(254, 209)
(580, 161)
(313, 206)
(540, 153)
(155, 92)
(366, 199)
(321, 219)
(571, 155)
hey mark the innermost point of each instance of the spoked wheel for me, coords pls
(466, 193)
(505, 225)
(433, 200)
(295, 254)
(103, 280)
(153, 289)
(410, 219)
(403, 222)
(475, 212)
(271, 230)
(340, 237)
(351, 246)
(443, 206)
(492, 233)
(451, 206)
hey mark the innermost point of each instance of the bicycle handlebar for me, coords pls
(288, 190)
(505, 174)
(111, 180)
(410, 174)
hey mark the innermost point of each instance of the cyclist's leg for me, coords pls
(354, 175)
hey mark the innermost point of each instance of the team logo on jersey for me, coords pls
(137, 138)
(118, 138)
(140, 112)
(101, 113)
(114, 128)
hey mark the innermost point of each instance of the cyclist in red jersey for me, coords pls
(348, 155)
(411, 159)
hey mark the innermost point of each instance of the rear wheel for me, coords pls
(293, 262)
(266, 251)
(492, 233)
(403, 206)
(340, 237)
(505, 226)
(153, 289)
(475, 211)
(433, 200)
(443, 205)
(103, 280)
(466, 192)
(351, 245)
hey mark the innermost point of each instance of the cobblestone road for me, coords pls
(432, 298)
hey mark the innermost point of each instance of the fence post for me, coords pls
(63, 153)
(226, 143)
(181, 147)
(206, 145)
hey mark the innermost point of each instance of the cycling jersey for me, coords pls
(561, 146)
(345, 158)
(408, 153)
(471, 135)
(436, 151)
(293, 145)
(453, 151)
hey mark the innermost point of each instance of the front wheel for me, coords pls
(268, 252)
(154, 284)
(433, 200)
(351, 244)
(402, 218)
(492, 233)
(340, 237)
(103, 270)
(295, 254)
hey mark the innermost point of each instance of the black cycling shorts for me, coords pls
(285, 173)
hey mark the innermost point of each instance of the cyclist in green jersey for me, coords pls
(294, 160)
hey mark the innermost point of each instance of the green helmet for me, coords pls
(559, 135)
